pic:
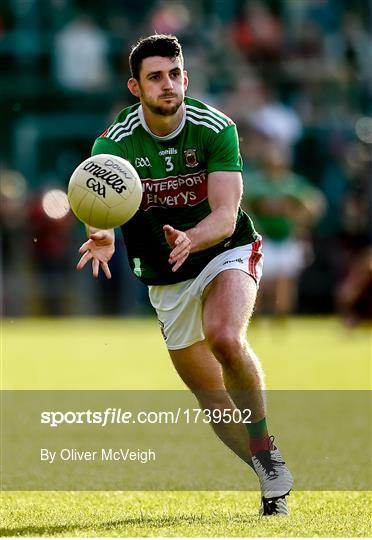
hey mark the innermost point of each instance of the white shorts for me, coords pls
(285, 258)
(179, 306)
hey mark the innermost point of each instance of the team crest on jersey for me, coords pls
(190, 157)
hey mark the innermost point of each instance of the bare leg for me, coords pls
(202, 373)
(228, 305)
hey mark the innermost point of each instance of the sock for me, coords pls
(258, 436)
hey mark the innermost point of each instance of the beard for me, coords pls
(164, 110)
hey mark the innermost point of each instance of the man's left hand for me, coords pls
(181, 244)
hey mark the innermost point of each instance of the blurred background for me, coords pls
(296, 77)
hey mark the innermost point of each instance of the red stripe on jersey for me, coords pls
(104, 133)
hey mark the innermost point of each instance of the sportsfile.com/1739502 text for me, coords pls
(119, 416)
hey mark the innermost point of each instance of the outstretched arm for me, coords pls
(224, 194)
(99, 248)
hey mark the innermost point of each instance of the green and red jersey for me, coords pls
(174, 173)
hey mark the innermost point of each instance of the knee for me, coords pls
(227, 346)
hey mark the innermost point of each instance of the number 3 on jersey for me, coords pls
(168, 164)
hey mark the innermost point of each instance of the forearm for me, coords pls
(213, 229)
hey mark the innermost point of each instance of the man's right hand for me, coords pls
(99, 248)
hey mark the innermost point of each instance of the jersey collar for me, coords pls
(165, 137)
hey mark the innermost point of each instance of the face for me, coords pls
(162, 85)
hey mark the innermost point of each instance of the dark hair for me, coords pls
(156, 45)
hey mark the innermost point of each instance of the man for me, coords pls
(285, 206)
(195, 248)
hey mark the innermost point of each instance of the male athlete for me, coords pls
(195, 248)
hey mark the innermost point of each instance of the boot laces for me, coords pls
(267, 462)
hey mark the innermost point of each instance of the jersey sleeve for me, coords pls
(224, 152)
(103, 145)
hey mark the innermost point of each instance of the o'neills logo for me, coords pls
(112, 179)
(175, 191)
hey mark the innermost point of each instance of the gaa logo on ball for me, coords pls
(105, 191)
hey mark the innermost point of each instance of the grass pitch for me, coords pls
(129, 354)
(223, 514)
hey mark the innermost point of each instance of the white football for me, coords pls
(105, 191)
